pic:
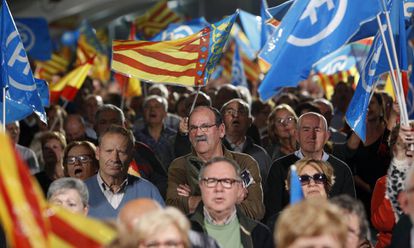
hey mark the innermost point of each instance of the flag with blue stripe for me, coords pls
(309, 31)
(238, 78)
(296, 192)
(22, 96)
(357, 110)
(34, 33)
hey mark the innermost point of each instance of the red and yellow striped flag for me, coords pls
(75, 230)
(45, 70)
(29, 222)
(70, 84)
(21, 201)
(188, 61)
(328, 82)
(156, 19)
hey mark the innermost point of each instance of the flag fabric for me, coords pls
(21, 201)
(22, 97)
(309, 31)
(238, 78)
(43, 90)
(70, 84)
(75, 230)
(188, 61)
(279, 11)
(180, 30)
(90, 50)
(156, 19)
(56, 65)
(34, 33)
(357, 110)
(296, 193)
(129, 86)
(265, 29)
(252, 27)
(243, 42)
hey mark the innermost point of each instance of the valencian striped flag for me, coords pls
(21, 201)
(69, 85)
(188, 61)
(156, 20)
(29, 222)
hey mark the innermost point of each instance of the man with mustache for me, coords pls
(112, 187)
(237, 120)
(206, 129)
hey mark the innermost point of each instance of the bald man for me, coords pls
(135, 209)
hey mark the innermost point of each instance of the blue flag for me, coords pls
(238, 78)
(357, 109)
(252, 27)
(309, 31)
(180, 30)
(22, 96)
(34, 33)
(265, 30)
(279, 11)
(296, 192)
(43, 90)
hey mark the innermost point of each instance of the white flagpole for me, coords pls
(397, 81)
(195, 99)
(4, 109)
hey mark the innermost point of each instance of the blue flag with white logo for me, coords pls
(309, 31)
(238, 78)
(22, 96)
(179, 30)
(296, 192)
(357, 110)
(34, 33)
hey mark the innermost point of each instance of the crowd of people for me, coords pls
(177, 167)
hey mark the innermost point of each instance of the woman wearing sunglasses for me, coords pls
(315, 176)
(79, 160)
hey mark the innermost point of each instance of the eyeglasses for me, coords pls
(168, 243)
(81, 158)
(317, 178)
(234, 112)
(282, 121)
(204, 128)
(225, 182)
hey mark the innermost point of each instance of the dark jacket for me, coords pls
(252, 233)
(401, 234)
(257, 152)
(276, 196)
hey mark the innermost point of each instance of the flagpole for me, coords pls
(123, 92)
(397, 85)
(65, 104)
(401, 98)
(195, 99)
(4, 109)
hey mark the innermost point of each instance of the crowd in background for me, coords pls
(222, 157)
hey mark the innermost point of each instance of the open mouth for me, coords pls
(78, 171)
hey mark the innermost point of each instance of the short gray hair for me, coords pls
(315, 114)
(109, 107)
(214, 160)
(66, 183)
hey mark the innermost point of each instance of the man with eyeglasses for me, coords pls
(237, 120)
(206, 129)
(311, 134)
(219, 215)
(111, 188)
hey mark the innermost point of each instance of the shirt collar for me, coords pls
(237, 148)
(299, 154)
(105, 187)
(211, 221)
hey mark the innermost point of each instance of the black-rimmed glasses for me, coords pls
(318, 178)
(225, 182)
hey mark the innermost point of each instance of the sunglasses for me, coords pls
(83, 159)
(319, 178)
